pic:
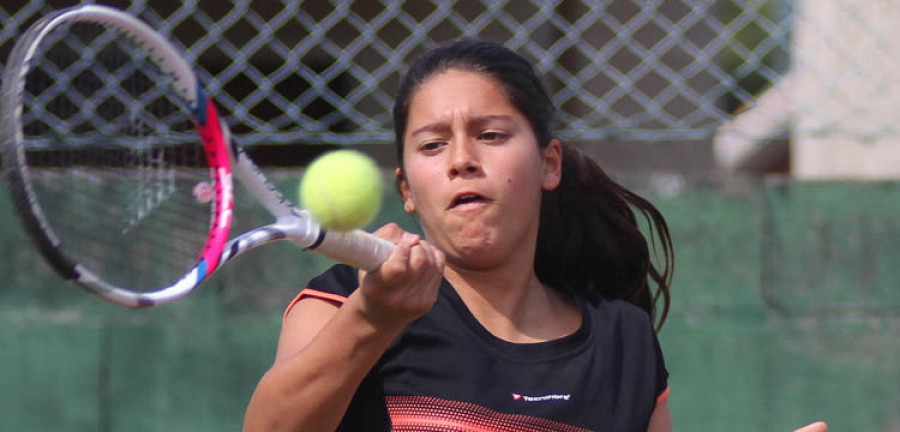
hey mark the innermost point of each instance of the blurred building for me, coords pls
(839, 103)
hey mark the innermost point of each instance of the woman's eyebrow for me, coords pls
(483, 120)
(431, 127)
(480, 121)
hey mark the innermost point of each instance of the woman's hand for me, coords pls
(405, 286)
(815, 427)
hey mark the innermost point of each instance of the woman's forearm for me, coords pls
(312, 388)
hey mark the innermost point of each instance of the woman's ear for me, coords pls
(403, 186)
(552, 165)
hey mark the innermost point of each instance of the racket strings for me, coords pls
(114, 157)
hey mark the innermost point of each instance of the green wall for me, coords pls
(785, 310)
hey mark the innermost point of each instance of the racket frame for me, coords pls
(226, 160)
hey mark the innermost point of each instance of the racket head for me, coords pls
(102, 159)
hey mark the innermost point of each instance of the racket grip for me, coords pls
(356, 248)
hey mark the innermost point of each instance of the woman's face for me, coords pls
(473, 171)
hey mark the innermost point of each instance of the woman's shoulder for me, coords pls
(624, 328)
(617, 313)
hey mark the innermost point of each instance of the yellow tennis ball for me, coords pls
(342, 189)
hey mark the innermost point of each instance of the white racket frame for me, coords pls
(356, 247)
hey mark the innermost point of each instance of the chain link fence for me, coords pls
(325, 71)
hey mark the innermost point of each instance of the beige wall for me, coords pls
(841, 100)
(847, 105)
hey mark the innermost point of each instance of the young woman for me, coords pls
(530, 303)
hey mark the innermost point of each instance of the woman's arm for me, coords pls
(325, 351)
(323, 354)
(661, 420)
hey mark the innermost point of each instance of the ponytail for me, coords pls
(590, 241)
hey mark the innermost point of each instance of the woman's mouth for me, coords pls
(468, 200)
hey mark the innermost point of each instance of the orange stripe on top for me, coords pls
(662, 396)
(420, 413)
(321, 295)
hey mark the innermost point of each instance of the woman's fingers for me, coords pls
(406, 285)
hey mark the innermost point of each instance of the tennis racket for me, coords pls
(120, 168)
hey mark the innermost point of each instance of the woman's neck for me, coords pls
(513, 304)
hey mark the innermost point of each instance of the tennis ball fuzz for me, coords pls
(342, 189)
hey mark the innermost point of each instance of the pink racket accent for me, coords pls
(204, 192)
(217, 156)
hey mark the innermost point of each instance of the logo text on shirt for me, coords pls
(543, 398)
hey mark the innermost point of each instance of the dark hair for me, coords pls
(589, 238)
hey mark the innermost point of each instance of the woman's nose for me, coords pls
(464, 159)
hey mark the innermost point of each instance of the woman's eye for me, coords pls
(494, 136)
(432, 145)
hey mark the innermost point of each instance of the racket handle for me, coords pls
(356, 248)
